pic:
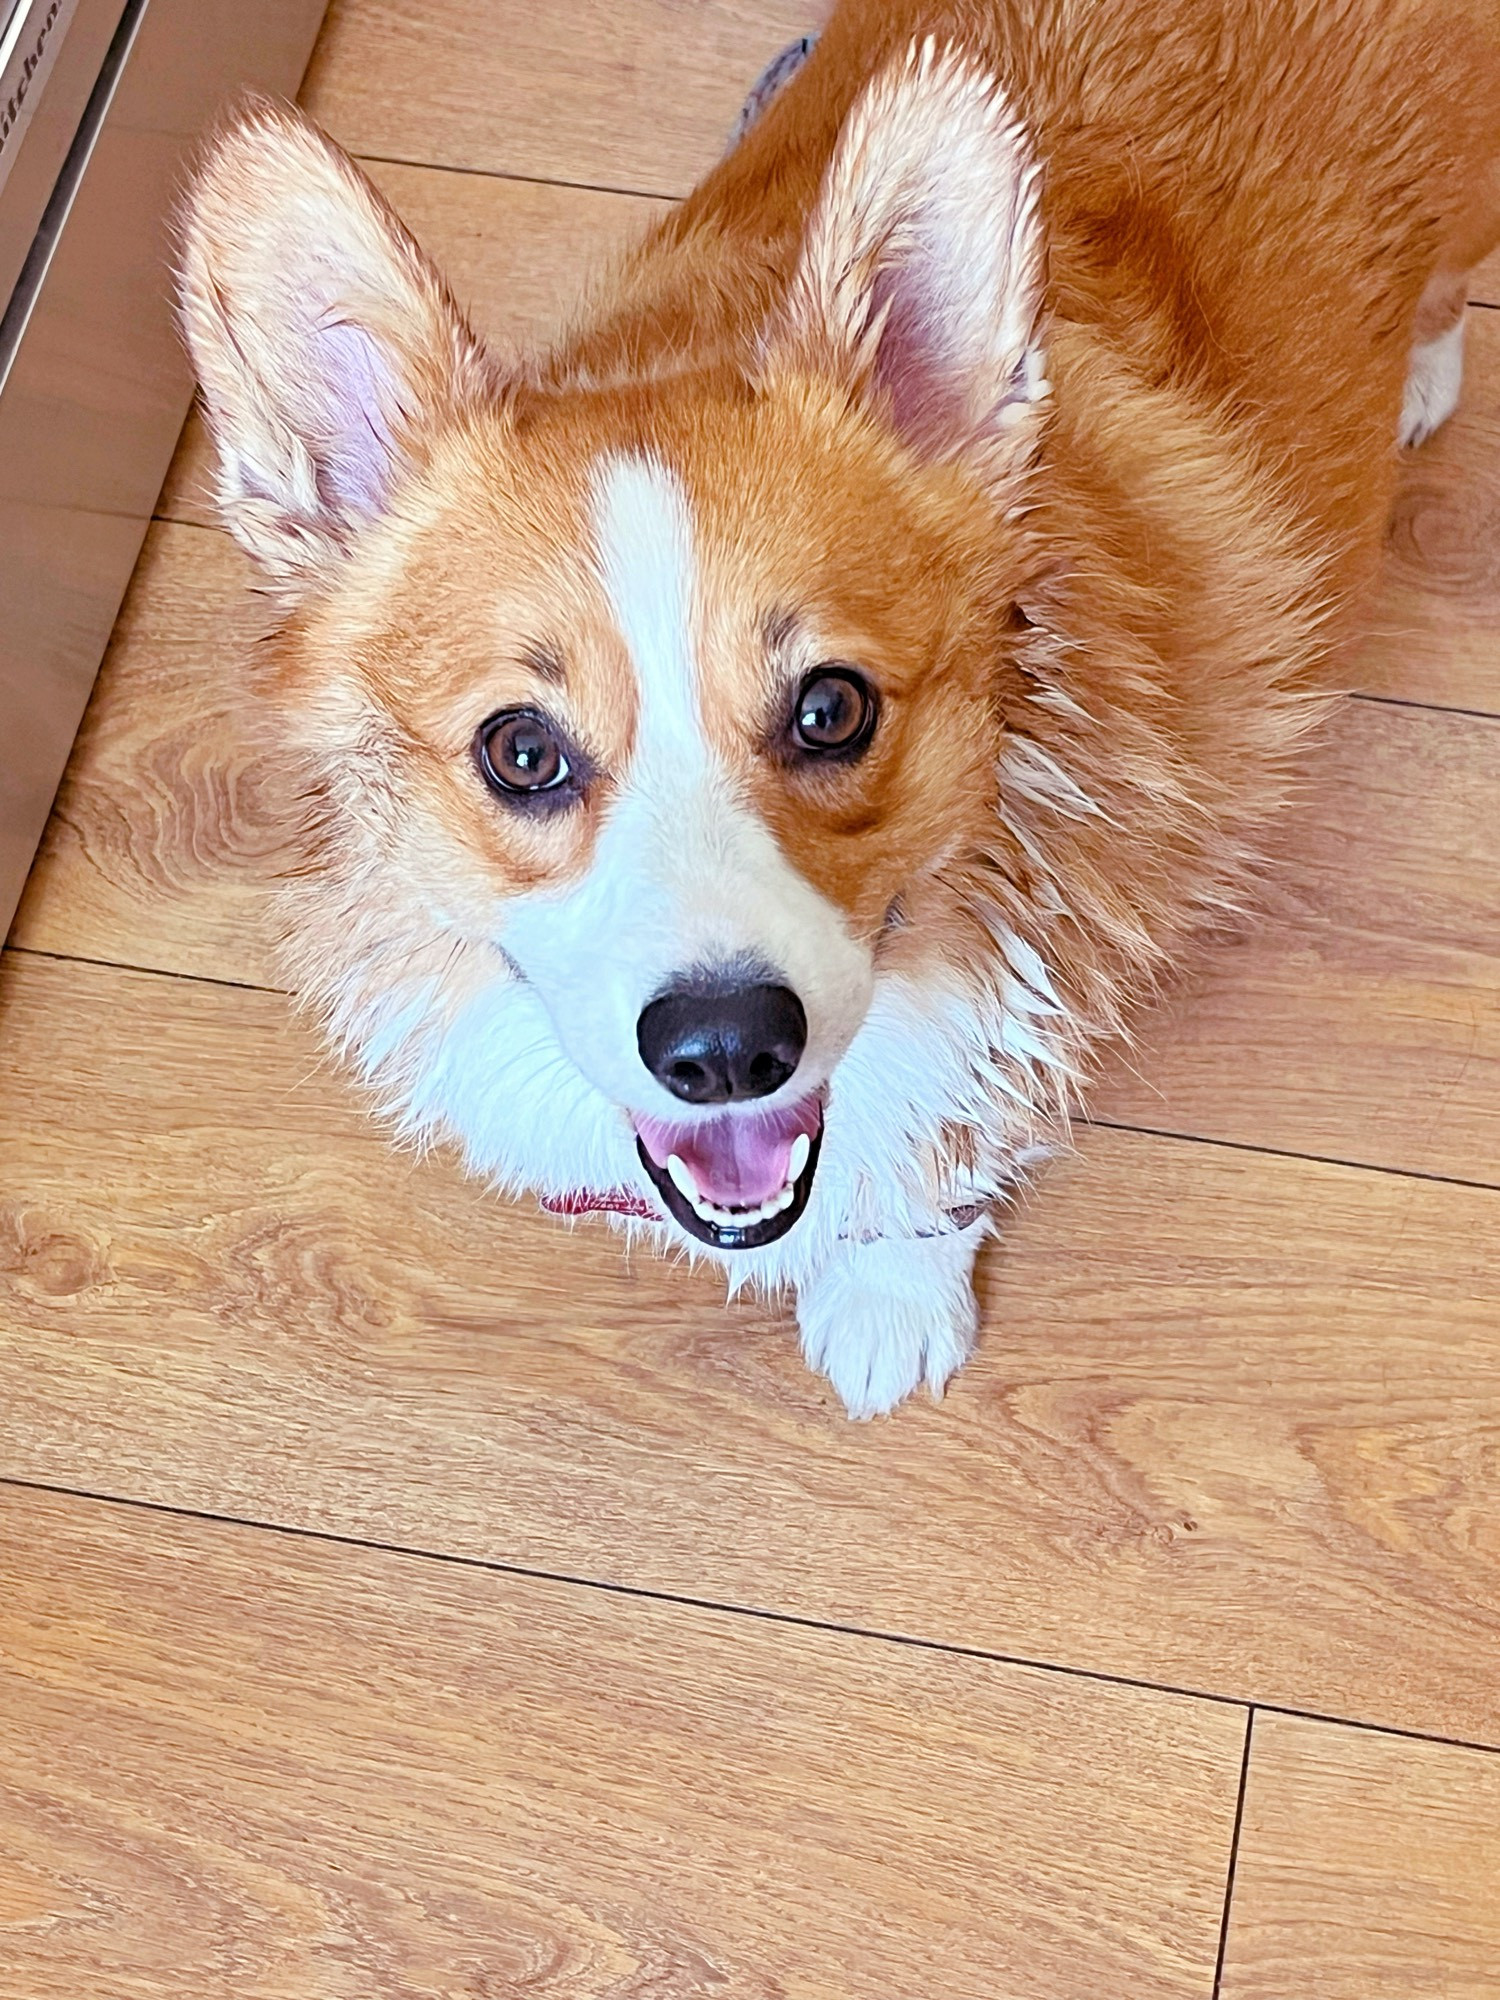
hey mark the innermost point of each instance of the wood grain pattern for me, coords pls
(245, 1767)
(167, 832)
(1357, 1016)
(1367, 1866)
(1435, 625)
(633, 94)
(1359, 1020)
(517, 255)
(1235, 1424)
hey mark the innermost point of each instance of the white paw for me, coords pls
(1434, 378)
(882, 1318)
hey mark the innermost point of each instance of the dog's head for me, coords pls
(643, 718)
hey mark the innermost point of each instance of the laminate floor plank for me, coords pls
(633, 94)
(239, 1765)
(1234, 1426)
(1434, 632)
(1355, 1015)
(1367, 1866)
(169, 828)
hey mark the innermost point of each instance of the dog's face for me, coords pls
(643, 721)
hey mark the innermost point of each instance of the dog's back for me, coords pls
(1259, 202)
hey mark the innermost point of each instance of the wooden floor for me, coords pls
(402, 1597)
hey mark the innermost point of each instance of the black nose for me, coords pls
(711, 1045)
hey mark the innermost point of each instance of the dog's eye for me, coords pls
(522, 753)
(834, 715)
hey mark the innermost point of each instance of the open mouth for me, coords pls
(738, 1181)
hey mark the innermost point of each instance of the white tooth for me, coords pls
(801, 1152)
(728, 1218)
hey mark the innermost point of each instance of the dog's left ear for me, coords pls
(329, 351)
(920, 278)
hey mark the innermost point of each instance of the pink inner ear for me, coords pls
(354, 390)
(914, 363)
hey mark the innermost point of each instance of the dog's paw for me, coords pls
(883, 1318)
(1434, 379)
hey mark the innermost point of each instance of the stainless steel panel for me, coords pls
(40, 107)
(96, 387)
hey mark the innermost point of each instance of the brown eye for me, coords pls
(834, 714)
(522, 753)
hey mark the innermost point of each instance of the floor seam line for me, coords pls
(1422, 707)
(523, 180)
(146, 971)
(1284, 1153)
(799, 1621)
(215, 528)
(1234, 1852)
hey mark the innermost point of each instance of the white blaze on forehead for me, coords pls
(684, 874)
(643, 530)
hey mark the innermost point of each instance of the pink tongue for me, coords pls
(737, 1160)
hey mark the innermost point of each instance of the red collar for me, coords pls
(595, 1201)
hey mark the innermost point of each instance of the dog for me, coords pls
(758, 753)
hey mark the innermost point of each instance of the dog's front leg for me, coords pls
(883, 1316)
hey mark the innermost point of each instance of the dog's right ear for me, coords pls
(328, 348)
(920, 282)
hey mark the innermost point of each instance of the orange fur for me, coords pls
(1099, 627)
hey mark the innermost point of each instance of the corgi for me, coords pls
(757, 753)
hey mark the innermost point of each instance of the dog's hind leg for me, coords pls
(882, 1318)
(1435, 373)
